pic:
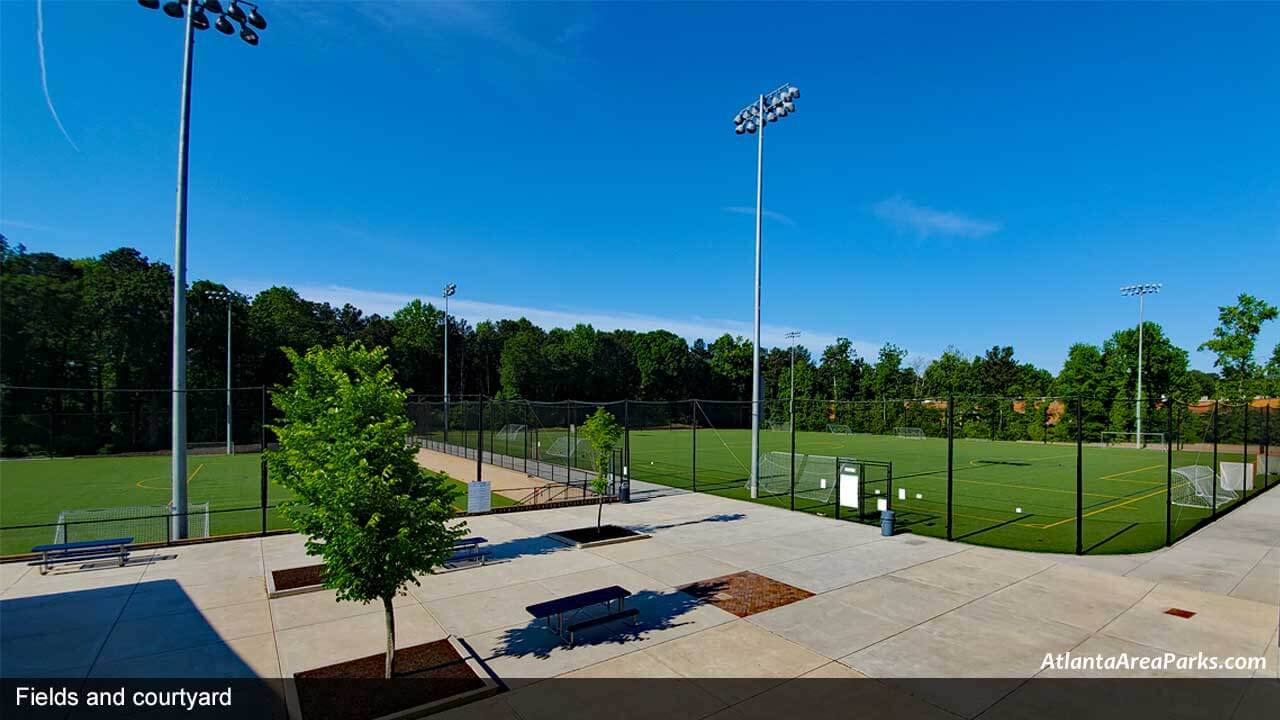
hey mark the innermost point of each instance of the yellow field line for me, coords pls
(1109, 507)
(190, 477)
(1038, 489)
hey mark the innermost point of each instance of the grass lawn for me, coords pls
(35, 491)
(1018, 495)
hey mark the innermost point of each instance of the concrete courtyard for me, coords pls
(889, 608)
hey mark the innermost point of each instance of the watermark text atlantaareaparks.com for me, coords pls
(1165, 661)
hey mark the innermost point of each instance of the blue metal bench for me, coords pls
(468, 549)
(554, 611)
(57, 553)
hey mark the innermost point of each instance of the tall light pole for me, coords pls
(196, 19)
(449, 291)
(1141, 290)
(770, 107)
(791, 410)
(226, 295)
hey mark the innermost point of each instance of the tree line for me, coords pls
(105, 322)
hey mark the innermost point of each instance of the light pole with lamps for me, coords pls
(770, 107)
(196, 19)
(791, 409)
(449, 291)
(227, 296)
(1141, 290)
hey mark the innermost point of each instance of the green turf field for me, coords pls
(35, 491)
(1018, 495)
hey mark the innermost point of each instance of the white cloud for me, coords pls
(690, 328)
(772, 215)
(926, 221)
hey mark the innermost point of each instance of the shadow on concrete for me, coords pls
(729, 517)
(658, 611)
(149, 632)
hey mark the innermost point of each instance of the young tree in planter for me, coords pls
(603, 432)
(374, 515)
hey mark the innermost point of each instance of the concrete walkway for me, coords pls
(903, 607)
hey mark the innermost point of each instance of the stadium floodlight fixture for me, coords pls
(751, 120)
(1141, 290)
(196, 18)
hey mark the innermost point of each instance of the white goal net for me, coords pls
(910, 433)
(815, 475)
(143, 523)
(510, 432)
(1193, 486)
(839, 429)
(565, 451)
(1132, 439)
(777, 426)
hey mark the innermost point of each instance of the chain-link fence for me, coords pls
(1057, 474)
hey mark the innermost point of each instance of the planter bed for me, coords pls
(587, 537)
(294, 581)
(429, 678)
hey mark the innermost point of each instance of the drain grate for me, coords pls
(1179, 612)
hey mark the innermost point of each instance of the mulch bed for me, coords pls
(590, 534)
(293, 578)
(424, 674)
(745, 593)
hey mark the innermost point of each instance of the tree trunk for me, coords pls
(599, 513)
(391, 634)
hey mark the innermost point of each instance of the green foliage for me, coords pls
(1234, 340)
(368, 509)
(602, 430)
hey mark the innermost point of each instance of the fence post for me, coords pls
(1168, 477)
(1213, 471)
(1244, 481)
(1080, 476)
(479, 439)
(263, 468)
(262, 422)
(694, 465)
(626, 445)
(793, 459)
(951, 416)
(1266, 445)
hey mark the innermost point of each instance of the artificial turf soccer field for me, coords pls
(1019, 495)
(34, 491)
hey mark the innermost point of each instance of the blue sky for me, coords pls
(955, 174)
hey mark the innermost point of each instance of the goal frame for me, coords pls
(1124, 437)
(839, 429)
(907, 432)
(1201, 479)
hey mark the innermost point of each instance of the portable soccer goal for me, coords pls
(839, 429)
(1133, 439)
(910, 433)
(815, 475)
(777, 426)
(143, 523)
(575, 452)
(1193, 486)
(510, 432)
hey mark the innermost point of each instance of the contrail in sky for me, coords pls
(44, 75)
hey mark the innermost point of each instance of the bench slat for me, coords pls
(577, 602)
(52, 547)
(629, 612)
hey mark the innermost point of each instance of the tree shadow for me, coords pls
(658, 611)
(724, 517)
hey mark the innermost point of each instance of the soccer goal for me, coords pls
(510, 432)
(1132, 439)
(910, 433)
(839, 429)
(143, 523)
(777, 426)
(815, 475)
(1193, 486)
(574, 452)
